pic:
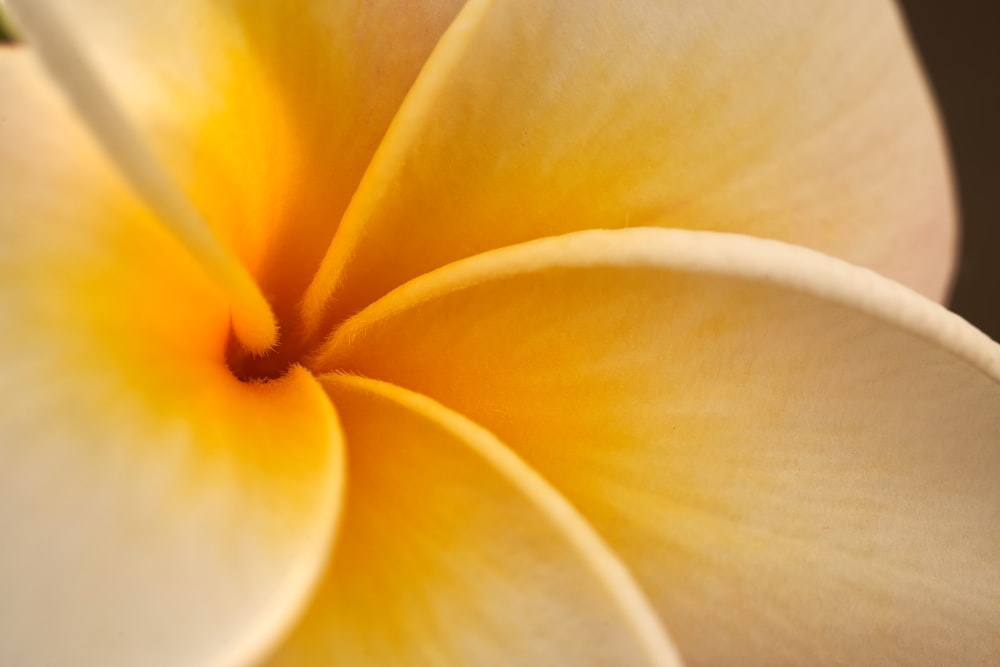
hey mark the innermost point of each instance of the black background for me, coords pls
(959, 42)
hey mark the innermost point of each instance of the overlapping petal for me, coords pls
(455, 553)
(797, 458)
(806, 122)
(153, 509)
(266, 112)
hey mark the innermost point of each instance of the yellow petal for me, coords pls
(453, 552)
(804, 121)
(153, 509)
(266, 112)
(797, 458)
(253, 320)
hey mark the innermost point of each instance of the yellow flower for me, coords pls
(498, 332)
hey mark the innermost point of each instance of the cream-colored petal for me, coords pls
(797, 458)
(801, 120)
(253, 320)
(267, 113)
(453, 552)
(153, 509)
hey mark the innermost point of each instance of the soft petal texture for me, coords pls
(797, 458)
(453, 552)
(253, 320)
(267, 113)
(801, 120)
(153, 509)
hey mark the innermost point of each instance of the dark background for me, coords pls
(959, 43)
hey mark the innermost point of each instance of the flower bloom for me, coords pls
(486, 332)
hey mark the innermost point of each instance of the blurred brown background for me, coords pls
(959, 41)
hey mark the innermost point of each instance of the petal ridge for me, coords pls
(801, 269)
(601, 563)
(797, 458)
(432, 75)
(702, 118)
(254, 322)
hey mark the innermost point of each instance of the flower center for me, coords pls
(292, 348)
(250, 367)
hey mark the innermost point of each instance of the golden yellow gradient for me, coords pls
(559, 450)
(154, 509)
(807, 122)
(268, 114)
(797, 459)
(253, 320)
(453, 552)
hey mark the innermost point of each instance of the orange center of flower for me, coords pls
(249, 367)
(293, 347)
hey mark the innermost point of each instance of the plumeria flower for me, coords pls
(429, 332)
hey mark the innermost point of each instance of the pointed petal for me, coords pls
(455, 553)
(266, 113)
(806, 122)
(153, 509)
(798, 458)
